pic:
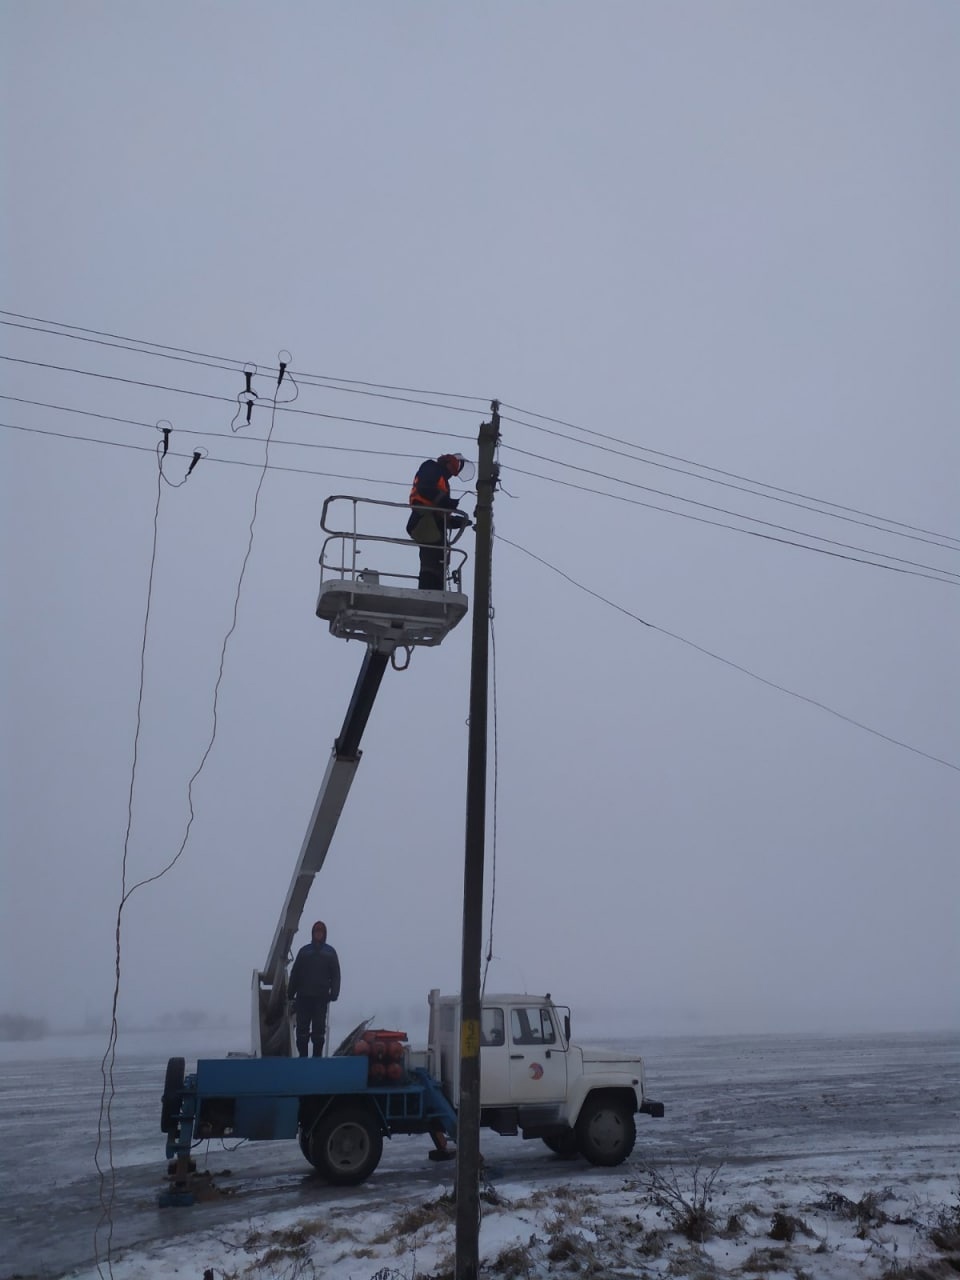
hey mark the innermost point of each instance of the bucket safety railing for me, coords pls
(370, 575)
(367, 555)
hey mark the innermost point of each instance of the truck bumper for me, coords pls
(654, 1109)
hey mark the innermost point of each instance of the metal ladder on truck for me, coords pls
(365, 594)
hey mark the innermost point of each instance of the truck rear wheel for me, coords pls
(170, 1101)
(606, 1130)
(345, 1146)
(563, 1144)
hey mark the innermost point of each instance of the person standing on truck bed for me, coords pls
(430, 493)
(314, 982)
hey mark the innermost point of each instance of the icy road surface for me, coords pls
(787, 1116)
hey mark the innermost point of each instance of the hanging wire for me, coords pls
(265, 467)
(107, 1191)
(496, 746)
(496, 790)
(107, 1178)
(728, 662)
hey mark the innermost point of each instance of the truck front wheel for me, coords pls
(345, 1146)
(606, 1131)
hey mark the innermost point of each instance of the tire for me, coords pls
(606, 1130)
(345, 1146)
(303, 1138)
(170, 1101)
(563, 1144)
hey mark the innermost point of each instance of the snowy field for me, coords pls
(778, 1157)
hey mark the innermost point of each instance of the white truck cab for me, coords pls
(535, 1081)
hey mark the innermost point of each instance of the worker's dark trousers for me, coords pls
(311, 1015)
(431, 568)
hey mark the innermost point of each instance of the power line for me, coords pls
(233, 367)
(583, 470)
(727, 662)
(207, 395)
(739, 488)
(104, 417)
(544, 458)
(707, 506)
(231, 364)
(933, 575)
(238, 366)
(210, 435)
(198, 358)
(733, 475)
(523, 452)
(228, 462)
(652, 506)
(362, 387)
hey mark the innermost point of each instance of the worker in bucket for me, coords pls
(314, 982)
(430, 494)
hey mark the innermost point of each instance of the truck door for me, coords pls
(494, 1060)
(538, 1063)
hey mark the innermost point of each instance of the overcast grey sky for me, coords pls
(727, 232)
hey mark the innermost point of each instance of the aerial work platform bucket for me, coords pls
(368, 579)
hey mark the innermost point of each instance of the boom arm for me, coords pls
(271, 1032)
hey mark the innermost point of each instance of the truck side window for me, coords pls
(532, 1025)
(491, 1027)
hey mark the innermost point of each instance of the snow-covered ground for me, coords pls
(593, 1225)
(790, 1156)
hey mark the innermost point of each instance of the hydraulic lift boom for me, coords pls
(380, 608)
(271, 1028)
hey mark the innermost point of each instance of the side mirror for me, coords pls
(566, 1027)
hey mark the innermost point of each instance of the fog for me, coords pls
(726, 233)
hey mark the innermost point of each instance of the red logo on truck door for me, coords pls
(536, 1071)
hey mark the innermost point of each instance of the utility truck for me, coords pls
(534, 1080)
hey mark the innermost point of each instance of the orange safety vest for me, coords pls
(417, 499)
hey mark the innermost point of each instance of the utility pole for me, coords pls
(467, 1262)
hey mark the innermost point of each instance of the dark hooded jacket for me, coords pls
(315, 973)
